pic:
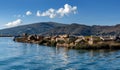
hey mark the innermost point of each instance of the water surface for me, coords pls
(22, 56)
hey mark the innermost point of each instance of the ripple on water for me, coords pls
(21, 56)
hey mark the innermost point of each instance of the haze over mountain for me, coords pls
(53, 28)
(35, 28)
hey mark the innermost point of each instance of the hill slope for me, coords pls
(35, 28)
(73, 29)
(53, 28)
(78, 29)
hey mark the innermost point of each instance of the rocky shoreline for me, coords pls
(73, 42)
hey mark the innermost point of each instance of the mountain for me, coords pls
(35, 28)
(53, 28)
(78, 29)
(73, 29)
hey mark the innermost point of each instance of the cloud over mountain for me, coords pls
(38, 13)
(28, 13)
(53, 13)
(61, 12)
(66, 10)
(14, 23)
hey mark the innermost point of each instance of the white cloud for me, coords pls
(61, 12)
(50, 13)
(53, 13)
(14, 23)
(28, 13)
(67, 10)
(38, 14)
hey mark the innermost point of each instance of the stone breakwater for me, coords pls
(75, 42)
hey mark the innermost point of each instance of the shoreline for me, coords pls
(71, 42)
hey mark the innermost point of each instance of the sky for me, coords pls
(89, 12)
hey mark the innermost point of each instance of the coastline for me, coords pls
(72, 42)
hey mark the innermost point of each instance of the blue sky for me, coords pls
(89, 12)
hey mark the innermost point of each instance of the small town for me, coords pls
(71, 41)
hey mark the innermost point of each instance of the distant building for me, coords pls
(90, 40)
(64, 36)
(107, 38)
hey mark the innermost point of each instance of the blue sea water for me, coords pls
(22, 56)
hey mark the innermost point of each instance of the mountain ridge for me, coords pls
(54, 28)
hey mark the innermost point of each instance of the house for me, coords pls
(39, 38)
(54, 38)
(64, 36)
(60, 39)
(80, 41)
(31, 37)
(107, 38)
(81, 37)
(90, 41)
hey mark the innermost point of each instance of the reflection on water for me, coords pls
(64, 54)
(22, 56)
